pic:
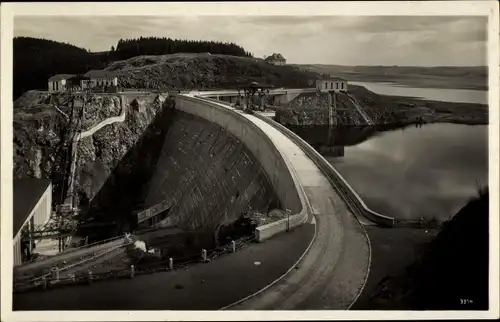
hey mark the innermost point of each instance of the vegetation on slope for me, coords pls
(452, 274)
(204, 71)
(35, 60)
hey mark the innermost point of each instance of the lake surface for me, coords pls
(428, 171)
(447, 95)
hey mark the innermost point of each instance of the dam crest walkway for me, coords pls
(333, 271)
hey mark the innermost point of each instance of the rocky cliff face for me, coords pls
(43, 136)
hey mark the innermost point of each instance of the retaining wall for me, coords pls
(276, 167)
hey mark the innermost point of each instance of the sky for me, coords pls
(337, 40)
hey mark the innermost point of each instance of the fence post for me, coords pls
(54, 273)
(233, 245)
(89, 277)
(171, 263)
(204, 254)
(132, 271)
(44, 283)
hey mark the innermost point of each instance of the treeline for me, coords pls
(35, 60)
(162, 46)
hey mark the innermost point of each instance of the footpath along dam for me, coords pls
(230, 161)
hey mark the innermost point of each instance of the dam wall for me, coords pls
(260, 146)
(203, 175)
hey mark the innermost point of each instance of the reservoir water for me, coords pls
(408, 173)
(448, 95)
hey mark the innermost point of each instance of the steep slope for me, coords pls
(452, 273)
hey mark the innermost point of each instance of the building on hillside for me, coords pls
(330, 83)
(59, 82)
(276, 59)
(32, 208)
(99, 79)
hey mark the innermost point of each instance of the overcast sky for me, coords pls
(391, 40)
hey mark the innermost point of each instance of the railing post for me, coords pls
(171, 263)
(204, 254)
(233, 246)
(288, 213)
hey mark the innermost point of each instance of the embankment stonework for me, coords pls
(309, 109)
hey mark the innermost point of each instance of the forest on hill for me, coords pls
(35, 60)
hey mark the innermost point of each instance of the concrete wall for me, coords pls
(278, 168)
(262, 148)
(204, 176)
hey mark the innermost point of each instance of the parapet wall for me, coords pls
(279, 172)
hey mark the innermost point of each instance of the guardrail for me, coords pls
(342, 186)
(37, 262)
(277, 167)
(67, 267)
(170, 264)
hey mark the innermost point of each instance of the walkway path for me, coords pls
(333, 272)
(74, 148)
(204, 286)
(330, 276)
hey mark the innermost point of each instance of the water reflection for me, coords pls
(435, 94)
(410, 172)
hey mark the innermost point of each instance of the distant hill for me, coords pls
(475, 77)
(35, 60)
(204, 71)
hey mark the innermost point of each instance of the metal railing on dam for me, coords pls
(278, 169)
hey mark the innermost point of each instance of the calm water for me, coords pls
(409, 173)
(449, 95)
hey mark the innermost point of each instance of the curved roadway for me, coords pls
(334, 270)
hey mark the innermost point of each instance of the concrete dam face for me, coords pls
(205, 174)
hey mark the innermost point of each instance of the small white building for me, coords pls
(276, 59)
(99, 78)
(32, 208)
(329, 84)
(59, 82)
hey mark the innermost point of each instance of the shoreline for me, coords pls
(384, 110)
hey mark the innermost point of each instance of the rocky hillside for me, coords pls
(43, 136)
(204, 71)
